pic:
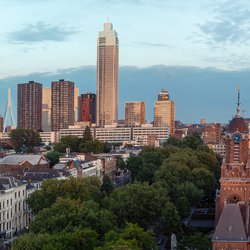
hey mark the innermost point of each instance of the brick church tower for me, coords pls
(232, 230)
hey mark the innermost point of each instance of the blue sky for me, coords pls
(51, 36)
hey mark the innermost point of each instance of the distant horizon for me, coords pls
(186, 86)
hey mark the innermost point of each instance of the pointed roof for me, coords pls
(231, 225)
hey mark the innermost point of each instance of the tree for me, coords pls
(83, 189)
(69, 141)
(139, 203)
(120, 164)
(131, 238)
(107, 185)
(84, 239)
(53, 157)
(87, 136)
(193, 242)
(24, 140)
(94, 146)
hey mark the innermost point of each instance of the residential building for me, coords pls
(29, 105)
(146, 134)
(46, 110)
(113, 134)
(62, 108)
(164, 113)
(134, 114)
(49, 137)
(74, 131)
(107, 76)
(12, 206)
(87, 108)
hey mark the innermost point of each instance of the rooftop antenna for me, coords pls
(238, 103)
(8, 111)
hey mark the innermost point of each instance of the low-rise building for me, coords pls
(12, 206)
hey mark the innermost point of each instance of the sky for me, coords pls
(205, 39)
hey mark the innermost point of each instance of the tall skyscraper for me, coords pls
(107, 76)
(88, 108)
(46, 110)
(29, 108)
(62, 104)
(134, 113)
(76, 104)
(164, 112)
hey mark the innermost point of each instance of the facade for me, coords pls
(46, 110)
(49, 137)
(29, 108)
(87, 108)
(145, 135)
(62, 105)
(212, 134)
(107, 76)
(113, 134)
(74, 131)
(232, 229)
(134, 114)
(164, 113)
(13, 216)
(76, 104)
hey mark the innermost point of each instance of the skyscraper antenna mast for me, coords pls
(8, 111)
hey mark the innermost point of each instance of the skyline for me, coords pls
(208, 39)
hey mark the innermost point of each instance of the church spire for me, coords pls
(238, 103)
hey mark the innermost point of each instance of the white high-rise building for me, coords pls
(107, 76)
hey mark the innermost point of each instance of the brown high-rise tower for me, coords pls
(107, 76)
(62, 104)
(29, 108)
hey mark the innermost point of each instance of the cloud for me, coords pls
(230, 23)
(40, 32)
(152, 44)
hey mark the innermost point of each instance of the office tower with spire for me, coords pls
(107, 76)
(29, 108)
(62, 104)
(164, 112)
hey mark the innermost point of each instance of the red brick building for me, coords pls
(232, 229)
(88, 108)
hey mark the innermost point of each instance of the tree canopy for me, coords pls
(24, 140)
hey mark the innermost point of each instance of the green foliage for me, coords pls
(143, 204)
(93, 146)
(107, 185)
(67, 214)
(24, 140)
(132, 237)
(81, 188)
(53, 157)
(87, 136)
(120, 164)
(194, 241)
(78, 239)
(68, 141)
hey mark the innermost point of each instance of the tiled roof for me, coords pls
(19, 159)
(231, 225)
